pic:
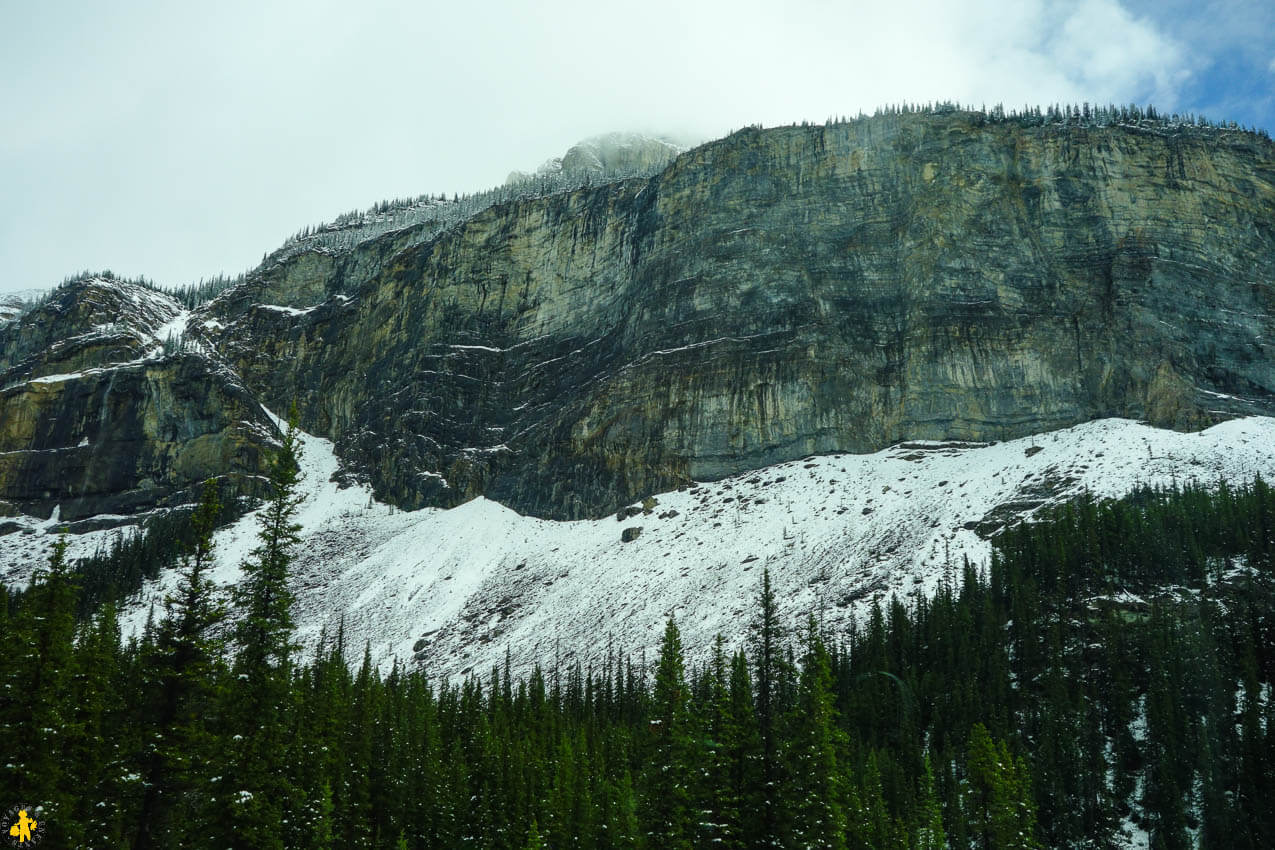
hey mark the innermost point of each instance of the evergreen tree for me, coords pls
(263, 634)
(668, 793)
(257, 795)
(721, 783)
(998, 802)
(534, 841)
(768, 642)
(818, 806)
(929, 817)
(869, 823)
(36, 714)
(180, 671)
(887, 735)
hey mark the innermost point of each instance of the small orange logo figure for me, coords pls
(22, 829)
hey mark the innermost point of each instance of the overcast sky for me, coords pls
(178, 140)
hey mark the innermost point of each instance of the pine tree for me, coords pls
(620, 812)
(534, 841)
(257, 796)
(180, 669)
(768, 641)
(720, 786)
(358, 809)
(1167, 773)
(668, 788)
(263, 599)
(869, 825)
(322, 829)
(929, 818)
(998, 803)
(742, 745)
(818, 806)
(36, 714)
(104, 800)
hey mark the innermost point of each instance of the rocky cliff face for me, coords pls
(101, 413)
(771, 295)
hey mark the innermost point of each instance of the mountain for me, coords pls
(569, 345)
(985, 398)
(767, 296)
(775, 294)
(455, 589)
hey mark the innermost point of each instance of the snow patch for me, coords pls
(453, 588)
(174, 328)
(290, 311)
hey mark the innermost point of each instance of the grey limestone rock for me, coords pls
(791, 291)
(764, 297)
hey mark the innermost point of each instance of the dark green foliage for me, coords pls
(38, 716)
(136, 556)
(769, 645)
(179, 668)
(998, 802)
(1041, 705)
(672, 757)
(263, 632)
(257, 788)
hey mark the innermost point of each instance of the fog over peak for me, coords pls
(177, 142)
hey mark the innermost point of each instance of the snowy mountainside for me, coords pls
(610, 153)
(14, 304)
(455, 588)
(10, 309)
(119, 321)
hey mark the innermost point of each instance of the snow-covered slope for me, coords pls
(14, 304)
(456, 588)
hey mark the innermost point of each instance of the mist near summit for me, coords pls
(177, 143)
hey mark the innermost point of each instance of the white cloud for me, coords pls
(176, 143)
(1112, 52)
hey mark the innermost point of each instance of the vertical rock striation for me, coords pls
(792, 291)
(767, 296)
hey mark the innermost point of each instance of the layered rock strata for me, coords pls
(771, 295)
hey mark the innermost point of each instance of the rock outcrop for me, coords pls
(767, 296)
(102, 412)
(606, 156)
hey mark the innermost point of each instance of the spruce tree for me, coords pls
(256, 794)
(818, 793)
(720, 822)
(929, 817)
(769, 659)
(668, 790)
(998, 804)
(104, 736)
(180, 670)
(36, 713)
(742, 744)
(263, 600)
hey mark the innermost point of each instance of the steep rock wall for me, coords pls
(96, 417)
(786, 292)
